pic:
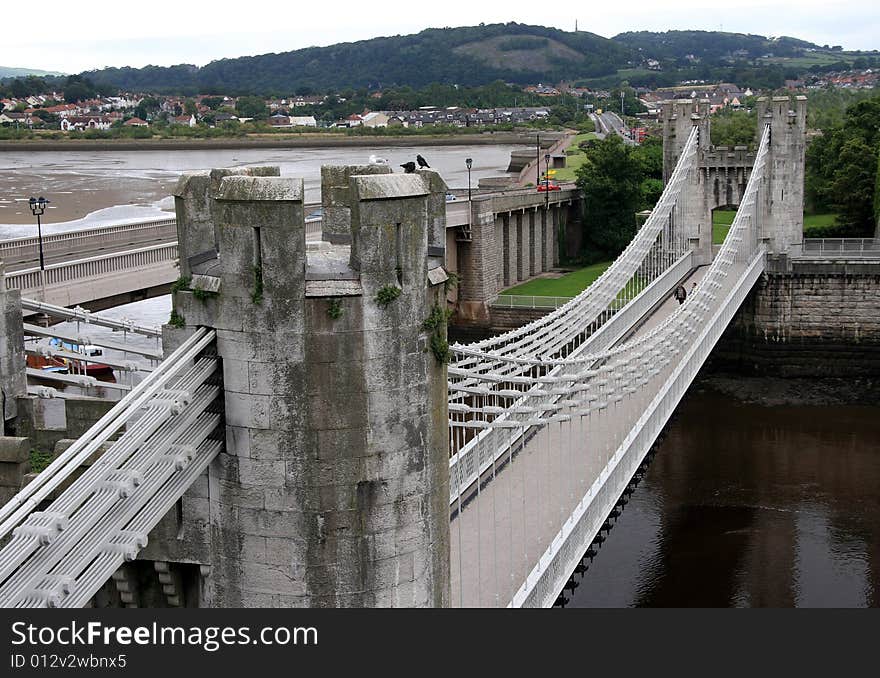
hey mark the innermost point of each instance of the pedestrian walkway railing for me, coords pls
(847, 247)
(525, 301)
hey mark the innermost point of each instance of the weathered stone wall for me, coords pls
(336, 199)
(12, 358)
(14, 465)
(818, 320)
(333, 487)
(505, 318)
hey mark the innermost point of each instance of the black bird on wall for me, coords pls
(409, 167)
(422, 162)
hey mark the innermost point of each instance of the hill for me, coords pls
(466, 56)
(712, 47)
(8, 72)
(478, 55)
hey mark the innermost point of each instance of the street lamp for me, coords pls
(38, 207)
(469, 162)
(547, 179)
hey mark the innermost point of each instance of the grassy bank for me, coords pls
(813, 223)
(568, 285)
(575, 157)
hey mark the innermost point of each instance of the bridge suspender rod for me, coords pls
(81, 380)
(83, 340)
(123, 365)
(88, 317)
(34, 492)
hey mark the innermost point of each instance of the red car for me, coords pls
(548, 186)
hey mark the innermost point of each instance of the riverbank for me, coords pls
(268, 141)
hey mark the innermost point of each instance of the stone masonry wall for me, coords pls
(808, 324)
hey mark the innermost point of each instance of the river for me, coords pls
(93, 188)
(749, 505)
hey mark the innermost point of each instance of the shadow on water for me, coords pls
(750, 505)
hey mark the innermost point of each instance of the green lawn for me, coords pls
(569, 285)
(722, 219)
(819, 220)
(575, 159)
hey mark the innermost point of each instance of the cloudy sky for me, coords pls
(72, 37)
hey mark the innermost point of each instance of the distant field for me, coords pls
(569, 285)
(811, 59)
(722, 219)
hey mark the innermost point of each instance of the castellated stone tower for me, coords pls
(783, 225)
(333, 487)
(723, 173)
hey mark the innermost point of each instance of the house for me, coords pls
(303, 121)
(16, 118)
(188, 120)
(82, 122)
(135, 122)
(375, 119)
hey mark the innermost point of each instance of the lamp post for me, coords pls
(469, 162)
(38, 207)
(547, 180)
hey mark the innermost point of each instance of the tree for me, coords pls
(734, 128)
(841, 169)
(189, 107)
(251, 107)
(146, 108)
(610, 179)
(78, 88)
(213, 102)
(877, 201)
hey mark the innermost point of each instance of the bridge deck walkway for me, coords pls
(506, 525)
(86, 250)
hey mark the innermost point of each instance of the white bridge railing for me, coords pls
(526, 301)
(846, 247)
(27, 249)
(93, 268)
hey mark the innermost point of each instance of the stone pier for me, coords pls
(332, 490)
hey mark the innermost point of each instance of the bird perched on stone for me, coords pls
(409, 167)
(422, 162)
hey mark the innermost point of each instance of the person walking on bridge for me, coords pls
(680, 293)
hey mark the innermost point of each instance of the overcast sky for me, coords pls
(72, 37)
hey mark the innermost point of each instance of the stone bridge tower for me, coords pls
(724, 172)
(333, 489)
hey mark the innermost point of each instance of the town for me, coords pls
(145, 114)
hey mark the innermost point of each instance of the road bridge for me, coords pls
(108, 266)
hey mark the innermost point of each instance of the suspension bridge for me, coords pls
(320, 450)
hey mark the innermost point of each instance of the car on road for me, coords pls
(551, 185)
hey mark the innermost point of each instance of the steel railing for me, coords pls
(525, 301)
(848, 247)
